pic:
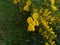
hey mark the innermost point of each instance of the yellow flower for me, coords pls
(55, 36)
(50, 40)
(30, 20)
(54, 8)
(52, 37)
(46, 43)
(26, 8)
(50, 29)
(32, 24)
(28, 3)
(16, 1)
(31, 27)
(46, 10)
(52, 2)
(52, 19)
(53, 43)
(35, 10)
(36, 23)
(49, 16)
(53, 33)
(48, 13)
(45, 23)
(35, 15)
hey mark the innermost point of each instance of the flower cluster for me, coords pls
(42, 18)
(45, 19)
(48, 33)
(33, 21)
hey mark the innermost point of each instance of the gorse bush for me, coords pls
(42, 16)
(32, 22)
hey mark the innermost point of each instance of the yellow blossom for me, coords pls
(53, 43)
(35, 10)
(54, 8)
(52, 37)
(55, 36)
(36, 23)
(53, 33)
(28, 3)
(50, 40)
(26, 8)
(31, 27)
(52, 2)
(52, 19)
(50, 29)
(45, 23)
(30, 20)
(35, 15)
(48, 13)
(46, 43)
(46, 10)
(49, 16)
(16, 1)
